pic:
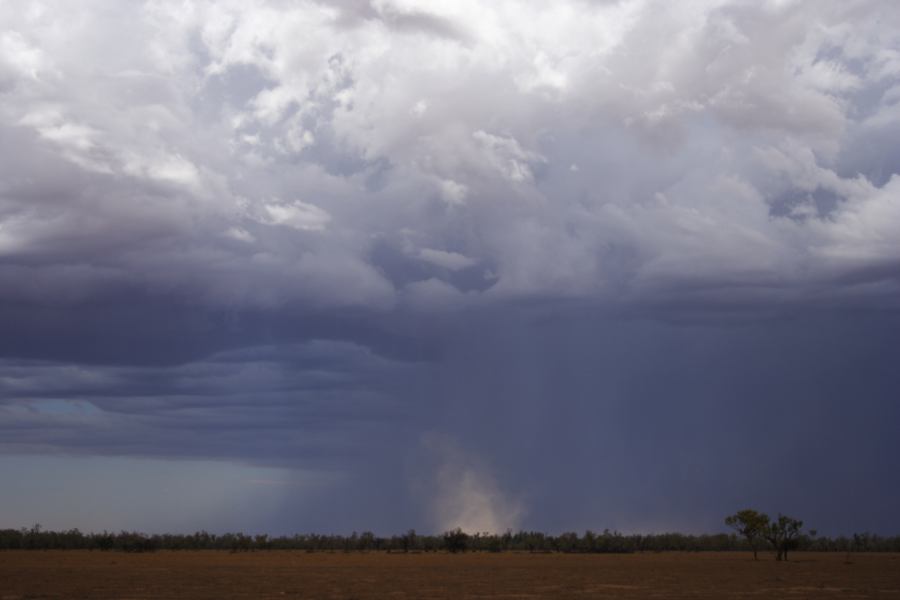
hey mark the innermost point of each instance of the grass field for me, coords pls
(82, 574)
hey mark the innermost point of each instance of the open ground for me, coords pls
(293, 574)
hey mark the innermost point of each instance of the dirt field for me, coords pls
(81, 574)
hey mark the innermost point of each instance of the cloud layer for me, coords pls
(394, 154)
(291, 233)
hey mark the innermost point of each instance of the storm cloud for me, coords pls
(605, 264)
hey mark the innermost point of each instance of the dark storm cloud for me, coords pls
(645, 425)
(275, 405)
(623, 247)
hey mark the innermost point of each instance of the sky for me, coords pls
(282, 266)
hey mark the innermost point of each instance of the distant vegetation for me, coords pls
(36, 538)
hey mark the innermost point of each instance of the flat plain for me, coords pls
(294, 574)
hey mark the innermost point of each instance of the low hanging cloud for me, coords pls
(210, 408)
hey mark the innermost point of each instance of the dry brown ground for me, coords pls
(81, 574)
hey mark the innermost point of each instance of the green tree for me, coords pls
(783, 534)
(751, 524)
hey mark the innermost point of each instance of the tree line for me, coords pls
(36, 538)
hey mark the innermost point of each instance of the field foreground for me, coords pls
(205, 574)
